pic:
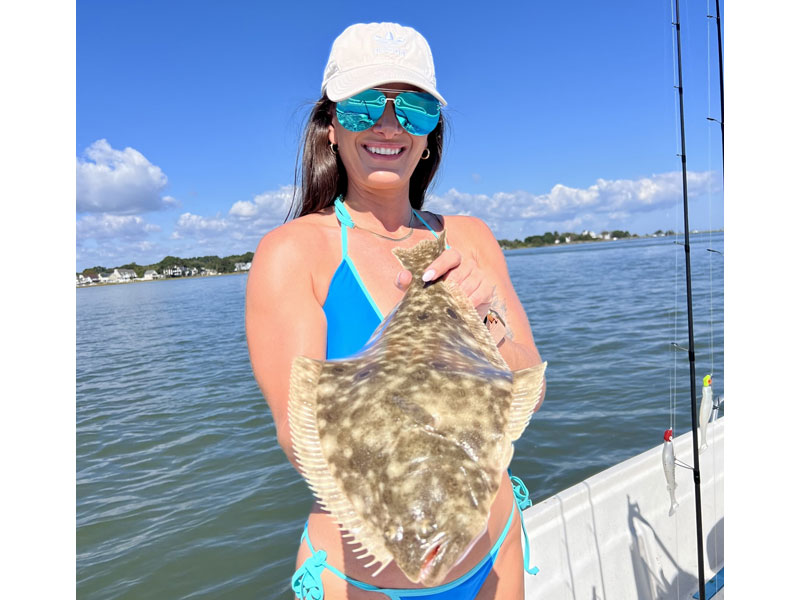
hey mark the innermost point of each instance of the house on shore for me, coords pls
(150, 274)
(180, 271)
(242, 266)
(174, 271)
(87, 279)
(122, 275)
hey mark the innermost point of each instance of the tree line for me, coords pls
(220, 265)
(549, 238)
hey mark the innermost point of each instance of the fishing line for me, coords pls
(708, 186)
(675, 229)
(711, 258)
(676, 124)
(674, 375)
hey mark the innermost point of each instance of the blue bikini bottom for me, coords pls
(307, 580)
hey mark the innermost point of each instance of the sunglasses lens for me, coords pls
(417, 112)
(361, 111)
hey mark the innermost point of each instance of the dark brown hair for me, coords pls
(324, 177)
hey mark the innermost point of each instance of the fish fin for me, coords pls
(476, 326)
(381, 568)
(526, 390)
(508, 454)
(312, 462)
(417, 258)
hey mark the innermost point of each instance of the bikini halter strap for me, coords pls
(342, 214)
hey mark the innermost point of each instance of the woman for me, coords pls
(320, 284)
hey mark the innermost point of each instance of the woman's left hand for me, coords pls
(464, 272)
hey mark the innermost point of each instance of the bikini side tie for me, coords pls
(307, 581)
(523, 499)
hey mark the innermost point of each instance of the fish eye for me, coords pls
(422, 316)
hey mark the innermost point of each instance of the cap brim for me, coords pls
(349, 83)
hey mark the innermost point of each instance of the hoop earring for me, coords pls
(426, 154)
(333, 148)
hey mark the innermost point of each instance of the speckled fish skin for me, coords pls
(406, 442)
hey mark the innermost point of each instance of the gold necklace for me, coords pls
(386, 237)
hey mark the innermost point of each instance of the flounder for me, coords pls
(405, 443)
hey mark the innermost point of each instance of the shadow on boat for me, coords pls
(651, 585)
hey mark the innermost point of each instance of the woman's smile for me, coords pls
(383, 151)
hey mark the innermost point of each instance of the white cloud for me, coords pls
(602, 205)
(247, 220)
(106, 238)
(121, 182)
(188, 222)
(243, 208)
(112, 240)
(105, 227)
(269, 207)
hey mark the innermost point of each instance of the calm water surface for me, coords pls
(182, 491)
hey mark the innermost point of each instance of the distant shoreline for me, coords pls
(104, 283)
(520, 245)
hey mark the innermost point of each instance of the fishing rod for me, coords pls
(693, 386)
(721, 87)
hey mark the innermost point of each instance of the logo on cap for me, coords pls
(389, 44)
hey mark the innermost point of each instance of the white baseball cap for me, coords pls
(368, 55)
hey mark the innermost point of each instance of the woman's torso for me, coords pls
(377, 268)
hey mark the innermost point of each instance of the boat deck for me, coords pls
(610, 537)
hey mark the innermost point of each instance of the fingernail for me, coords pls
(428, 275)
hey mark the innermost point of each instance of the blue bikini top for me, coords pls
(351, 312)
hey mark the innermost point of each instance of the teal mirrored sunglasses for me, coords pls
(417, 112)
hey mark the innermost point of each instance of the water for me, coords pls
(183, 492)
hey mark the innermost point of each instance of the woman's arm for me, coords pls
(283, 318)
(518, 347)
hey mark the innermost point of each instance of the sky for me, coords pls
(562, 117)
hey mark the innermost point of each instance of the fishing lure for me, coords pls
(706, 404)
(668, 461)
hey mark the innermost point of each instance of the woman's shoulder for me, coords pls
(304, 232)
(296, 241)
(464, 227)
(468, 222)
